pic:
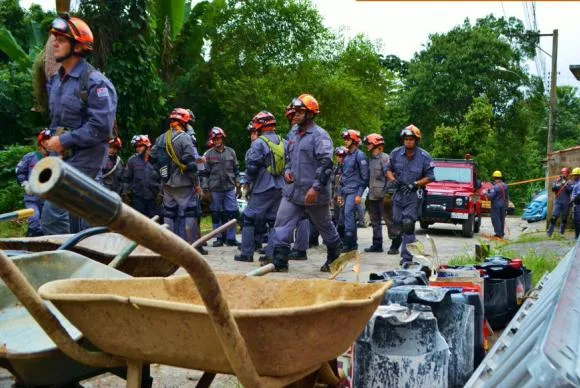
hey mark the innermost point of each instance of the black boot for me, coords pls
(332, 254)
(349, 244)
(340, 230)
(202, 250)
(281, 258)
(240, 257)
(232, 243)
(395, 244)
(218, 243)
(377, 247)
(297, 255)
(264, 260)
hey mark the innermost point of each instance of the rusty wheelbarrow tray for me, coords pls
(25, 349)
(289, 326)
(324, 303)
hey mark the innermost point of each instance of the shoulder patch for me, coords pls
(102, 92)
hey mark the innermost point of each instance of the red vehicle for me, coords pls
(453, 197)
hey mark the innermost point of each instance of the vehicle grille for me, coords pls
(439, 200)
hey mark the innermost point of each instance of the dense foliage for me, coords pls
(467, 89)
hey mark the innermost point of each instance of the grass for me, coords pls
(13, 229)
(538, 263)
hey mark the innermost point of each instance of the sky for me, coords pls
(403, 27)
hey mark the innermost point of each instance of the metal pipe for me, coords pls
(62, 184)
(17, 215)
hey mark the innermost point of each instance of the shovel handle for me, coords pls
(17, 215)
(62, 184)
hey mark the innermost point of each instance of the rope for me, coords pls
(171, 152)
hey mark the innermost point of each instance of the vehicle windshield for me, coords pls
(453, 174)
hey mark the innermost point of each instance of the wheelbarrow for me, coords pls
(26, 351)
(100, 245)
(276, 333)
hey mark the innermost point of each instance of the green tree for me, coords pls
(458, 66)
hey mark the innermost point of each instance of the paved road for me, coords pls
(449, 244)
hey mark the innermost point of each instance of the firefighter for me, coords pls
(173, 158)
(264, 170)
(499, 197)
(353, 182)
(410, 170)
(562, 189)
(379, 200)
(141, 180)
(114, 167)
(221, 178)
(307, 189)
(23, 169)
(338, 205)
(82, 104)
(575, 199)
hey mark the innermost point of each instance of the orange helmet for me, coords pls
(411, 130)
(43, 135)
(352, 135)
(263, 119)
(289, 112)
(216, 132)
(75, 29)
(181, 115)
(139, 140)
(306, 102)
(116, 142)
(374, 139)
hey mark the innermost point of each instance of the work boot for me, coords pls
(202, 250)
(375, 248)
(232, 243)
(340, 231)
(395, 244)
(261, 251)
(349, 244)
(297, 255)
(313, 243)
(218, 243)
(264, 260)
(280, 261)
(247, 259)
(332, 253)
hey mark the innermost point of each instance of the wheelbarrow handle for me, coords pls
(62, 184)
(30, 299)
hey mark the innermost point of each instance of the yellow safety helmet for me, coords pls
(575, 171)
(496, 174)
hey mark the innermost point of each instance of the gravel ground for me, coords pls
(449, 244)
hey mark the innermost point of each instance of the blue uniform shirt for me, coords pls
(563, 190)
(87, 136)
(308, 154)
(575, 191)
(410, 170)
(24, 168)
(499, 196)
(355, 174)
(259, 157)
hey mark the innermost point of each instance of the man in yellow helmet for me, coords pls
(499, 198)
(575, 198)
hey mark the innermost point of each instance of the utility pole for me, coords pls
(553, 95)
(551, 116)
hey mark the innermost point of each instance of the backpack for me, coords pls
(277, 165)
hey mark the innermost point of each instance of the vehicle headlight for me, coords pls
(459, 201)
